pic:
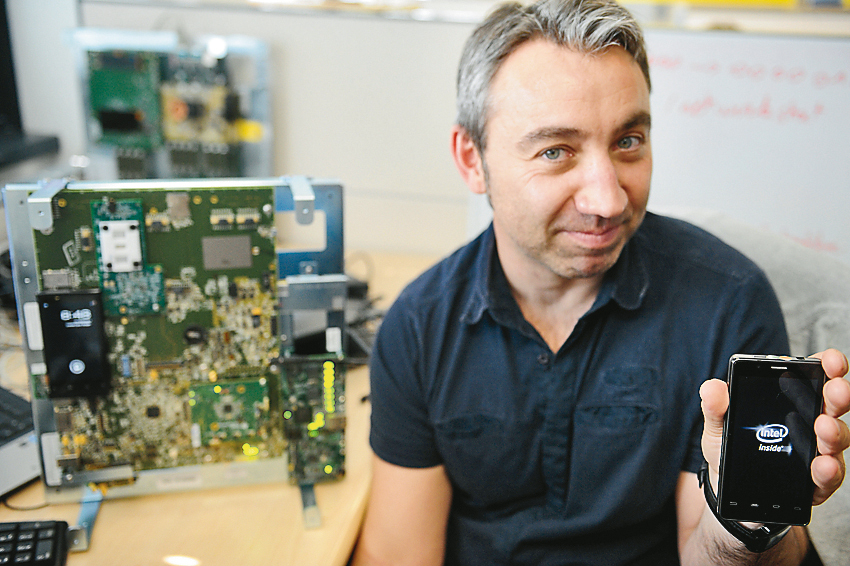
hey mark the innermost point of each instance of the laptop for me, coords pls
(15, 146)
(19, 462)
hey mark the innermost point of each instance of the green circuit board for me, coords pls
(123, 91)
(192, 370)
(143, 102)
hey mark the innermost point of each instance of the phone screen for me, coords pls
(769, 441)
(75, 348)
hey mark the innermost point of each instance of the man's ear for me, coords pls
(468, 160)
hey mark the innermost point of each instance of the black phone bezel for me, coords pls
(809, 369)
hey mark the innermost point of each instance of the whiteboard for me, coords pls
(754, 126)
(757, 127)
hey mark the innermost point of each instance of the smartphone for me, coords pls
(75, 344)
(769, 440)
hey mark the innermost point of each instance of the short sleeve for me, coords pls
(401, 432)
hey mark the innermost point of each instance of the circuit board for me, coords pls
(175, 111)
(159, 313)
(123, 97)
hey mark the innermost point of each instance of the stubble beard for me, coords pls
(579, 262)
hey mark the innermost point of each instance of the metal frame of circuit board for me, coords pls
(191, 316)
(159, 105)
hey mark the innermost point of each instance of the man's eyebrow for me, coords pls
(640, 119)
(549, 133)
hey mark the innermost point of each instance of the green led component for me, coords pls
(316, 423)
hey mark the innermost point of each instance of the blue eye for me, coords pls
(553, 153)
(628, 142)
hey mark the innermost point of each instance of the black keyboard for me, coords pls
(36, 543)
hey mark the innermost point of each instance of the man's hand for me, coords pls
(833, 436)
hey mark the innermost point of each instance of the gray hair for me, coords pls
(587, 26)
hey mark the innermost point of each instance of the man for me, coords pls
(535, 395)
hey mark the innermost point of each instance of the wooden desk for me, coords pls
(242, 526)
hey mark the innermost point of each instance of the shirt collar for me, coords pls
(625, 283)
(479, 298)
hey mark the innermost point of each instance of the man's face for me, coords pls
(567, 159)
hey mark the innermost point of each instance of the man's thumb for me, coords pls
(715, 401)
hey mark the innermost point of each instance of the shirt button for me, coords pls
(543, 359)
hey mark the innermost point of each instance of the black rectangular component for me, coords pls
(120, 121)
(768, 439)
(75, 347)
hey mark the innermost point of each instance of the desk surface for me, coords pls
(248, 525)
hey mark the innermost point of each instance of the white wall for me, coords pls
(44, 70)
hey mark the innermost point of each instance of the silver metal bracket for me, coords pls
(304, 197)
(39, 204)
(79, 536)
(313, 292)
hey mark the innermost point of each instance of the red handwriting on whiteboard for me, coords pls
(794, 75)
(665, 62)
(746, 71)
(815, 242)
(754, 71)
(824, 79)
(763, 109)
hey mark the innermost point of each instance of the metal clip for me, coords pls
(79, 536)
(39, 204)
(304, 198)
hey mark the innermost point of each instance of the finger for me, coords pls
(715, 400)
(827, 473)
(836, 397)
(835, 364)
(833, 435)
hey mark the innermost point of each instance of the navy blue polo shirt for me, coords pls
(568, 457)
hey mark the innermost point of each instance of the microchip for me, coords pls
(303, 415)
(226, 252)
(120, 245)
(153, 412)
(57, 279)
(195, 334)
(221, 219)
(158, 222)
(247, 218)
(64, 421)
(178, 206)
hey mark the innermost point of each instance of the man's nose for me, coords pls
(601, 194)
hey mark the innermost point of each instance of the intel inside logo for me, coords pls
(771, 433)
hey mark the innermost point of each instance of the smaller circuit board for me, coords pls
(123, 98)
(313, 406)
